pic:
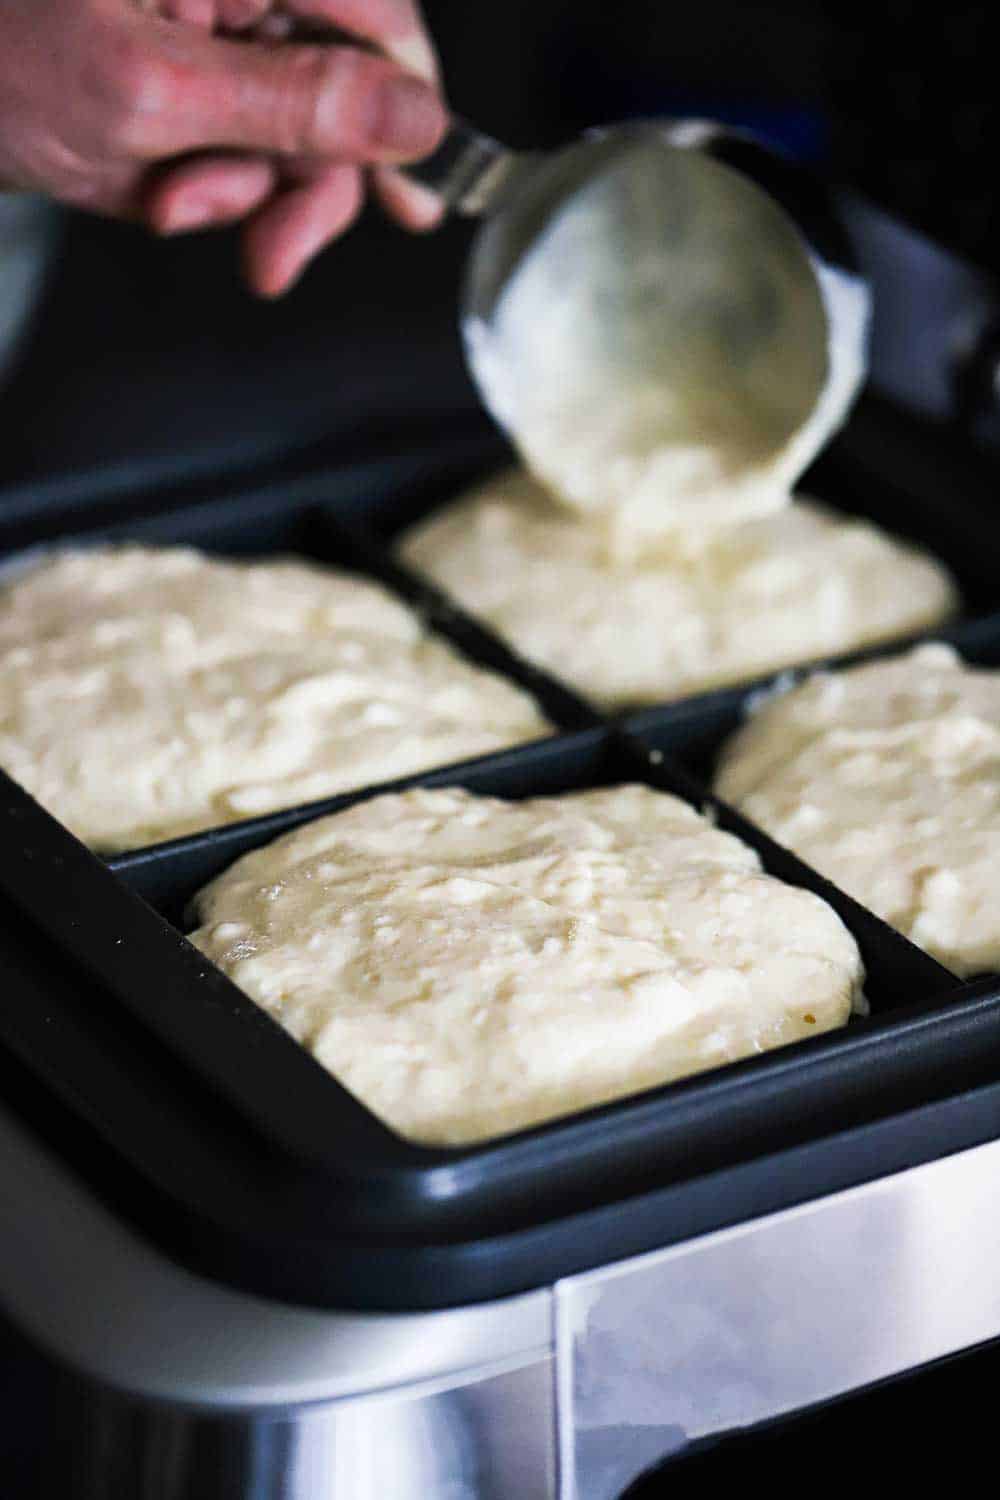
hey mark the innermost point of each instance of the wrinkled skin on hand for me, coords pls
(192, 113)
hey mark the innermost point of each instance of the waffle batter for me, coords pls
(665, 620)
(632, 351)
(149, 693)
(467, 967)
(886, 779)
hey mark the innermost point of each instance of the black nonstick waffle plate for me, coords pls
(209, 1128)
(208, 1125)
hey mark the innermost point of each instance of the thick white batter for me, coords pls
(467, 966)
(663, 621)
(148, 693)
(887, 779)
(657, 351)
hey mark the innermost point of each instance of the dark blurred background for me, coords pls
(897, 98)
(153, 350)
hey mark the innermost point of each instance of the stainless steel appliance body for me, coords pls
(178, 1388)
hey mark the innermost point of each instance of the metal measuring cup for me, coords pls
(721, 269)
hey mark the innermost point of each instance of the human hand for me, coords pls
(193, 113)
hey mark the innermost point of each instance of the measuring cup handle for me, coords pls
(466, 171)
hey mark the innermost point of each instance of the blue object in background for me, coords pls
(801, 133)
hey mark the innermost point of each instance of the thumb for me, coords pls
(293, 100)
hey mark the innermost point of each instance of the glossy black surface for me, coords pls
(203, 1122)
(200, 1120)
(208, 1125)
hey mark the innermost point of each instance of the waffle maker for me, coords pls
(250, 1289)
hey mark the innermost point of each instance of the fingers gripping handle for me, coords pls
(466, 171)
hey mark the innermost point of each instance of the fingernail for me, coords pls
(409, 117)
(415, 53)
(188, 214)
(424, 203)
